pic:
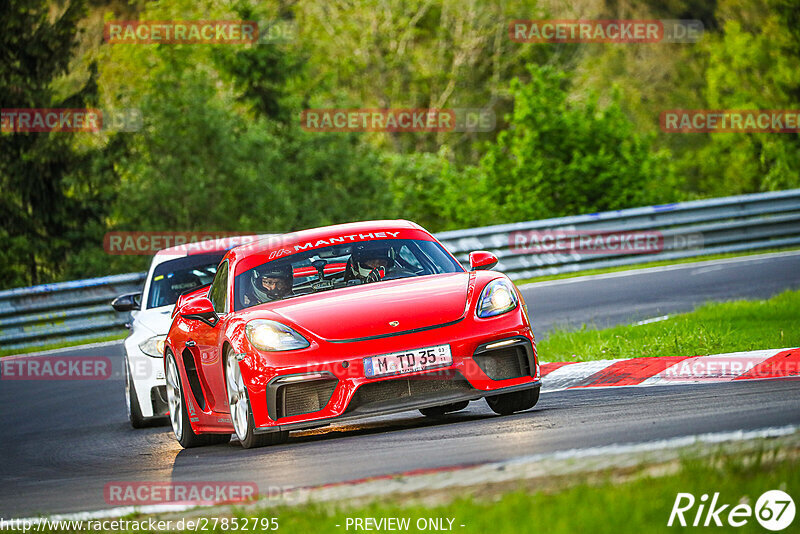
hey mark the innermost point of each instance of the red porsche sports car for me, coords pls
(326, 325)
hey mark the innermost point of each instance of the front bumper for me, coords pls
(396, 406)
(147, 379)
(329, 384)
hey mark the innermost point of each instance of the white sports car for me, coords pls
(172, 272)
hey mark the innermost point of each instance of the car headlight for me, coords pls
(272, 336)
(153, 346)
(497, 297)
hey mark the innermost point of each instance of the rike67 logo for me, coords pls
(774, 510)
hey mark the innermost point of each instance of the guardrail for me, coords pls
(69, 311)
(722, 225)
(62, 312)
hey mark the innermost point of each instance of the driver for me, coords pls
(368, 257)
(269, 283)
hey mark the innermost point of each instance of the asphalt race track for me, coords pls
(62, 441)
(618, 298)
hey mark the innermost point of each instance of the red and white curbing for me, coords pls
(672, 370)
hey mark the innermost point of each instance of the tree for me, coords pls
(562, 158)
(437, 193)
(418, 54)
(49, 196)
(753, 64)
(221, 147)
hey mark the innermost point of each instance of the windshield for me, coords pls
(173, 278)
(339, 266)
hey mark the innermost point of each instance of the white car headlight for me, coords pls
(497, 297)
(153, 346)
(272, 336)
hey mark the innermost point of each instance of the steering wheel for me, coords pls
(376, 275)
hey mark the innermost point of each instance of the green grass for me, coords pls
(64, 344)
(638, 505)
(631, 500)
(710, 329)
(661, 263)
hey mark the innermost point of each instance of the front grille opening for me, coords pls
(375, 396)
(504, 363)
(304, 397)
(158, 398)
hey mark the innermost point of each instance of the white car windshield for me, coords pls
(173, 278)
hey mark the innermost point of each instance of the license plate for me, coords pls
(408, 361)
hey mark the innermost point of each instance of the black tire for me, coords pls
(186, 435)
(253, 441)
(134, 411)
(508, 403)
(440, 411)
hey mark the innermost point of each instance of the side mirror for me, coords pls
(481, 260)
(127, 302)
(200, 309)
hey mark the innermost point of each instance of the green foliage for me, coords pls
(219, 149)
(560, 157)
(51, 190)
(268, 77)
(753, 67)
(436, 193)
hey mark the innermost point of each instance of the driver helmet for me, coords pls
(272, 282)
(368, 256)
